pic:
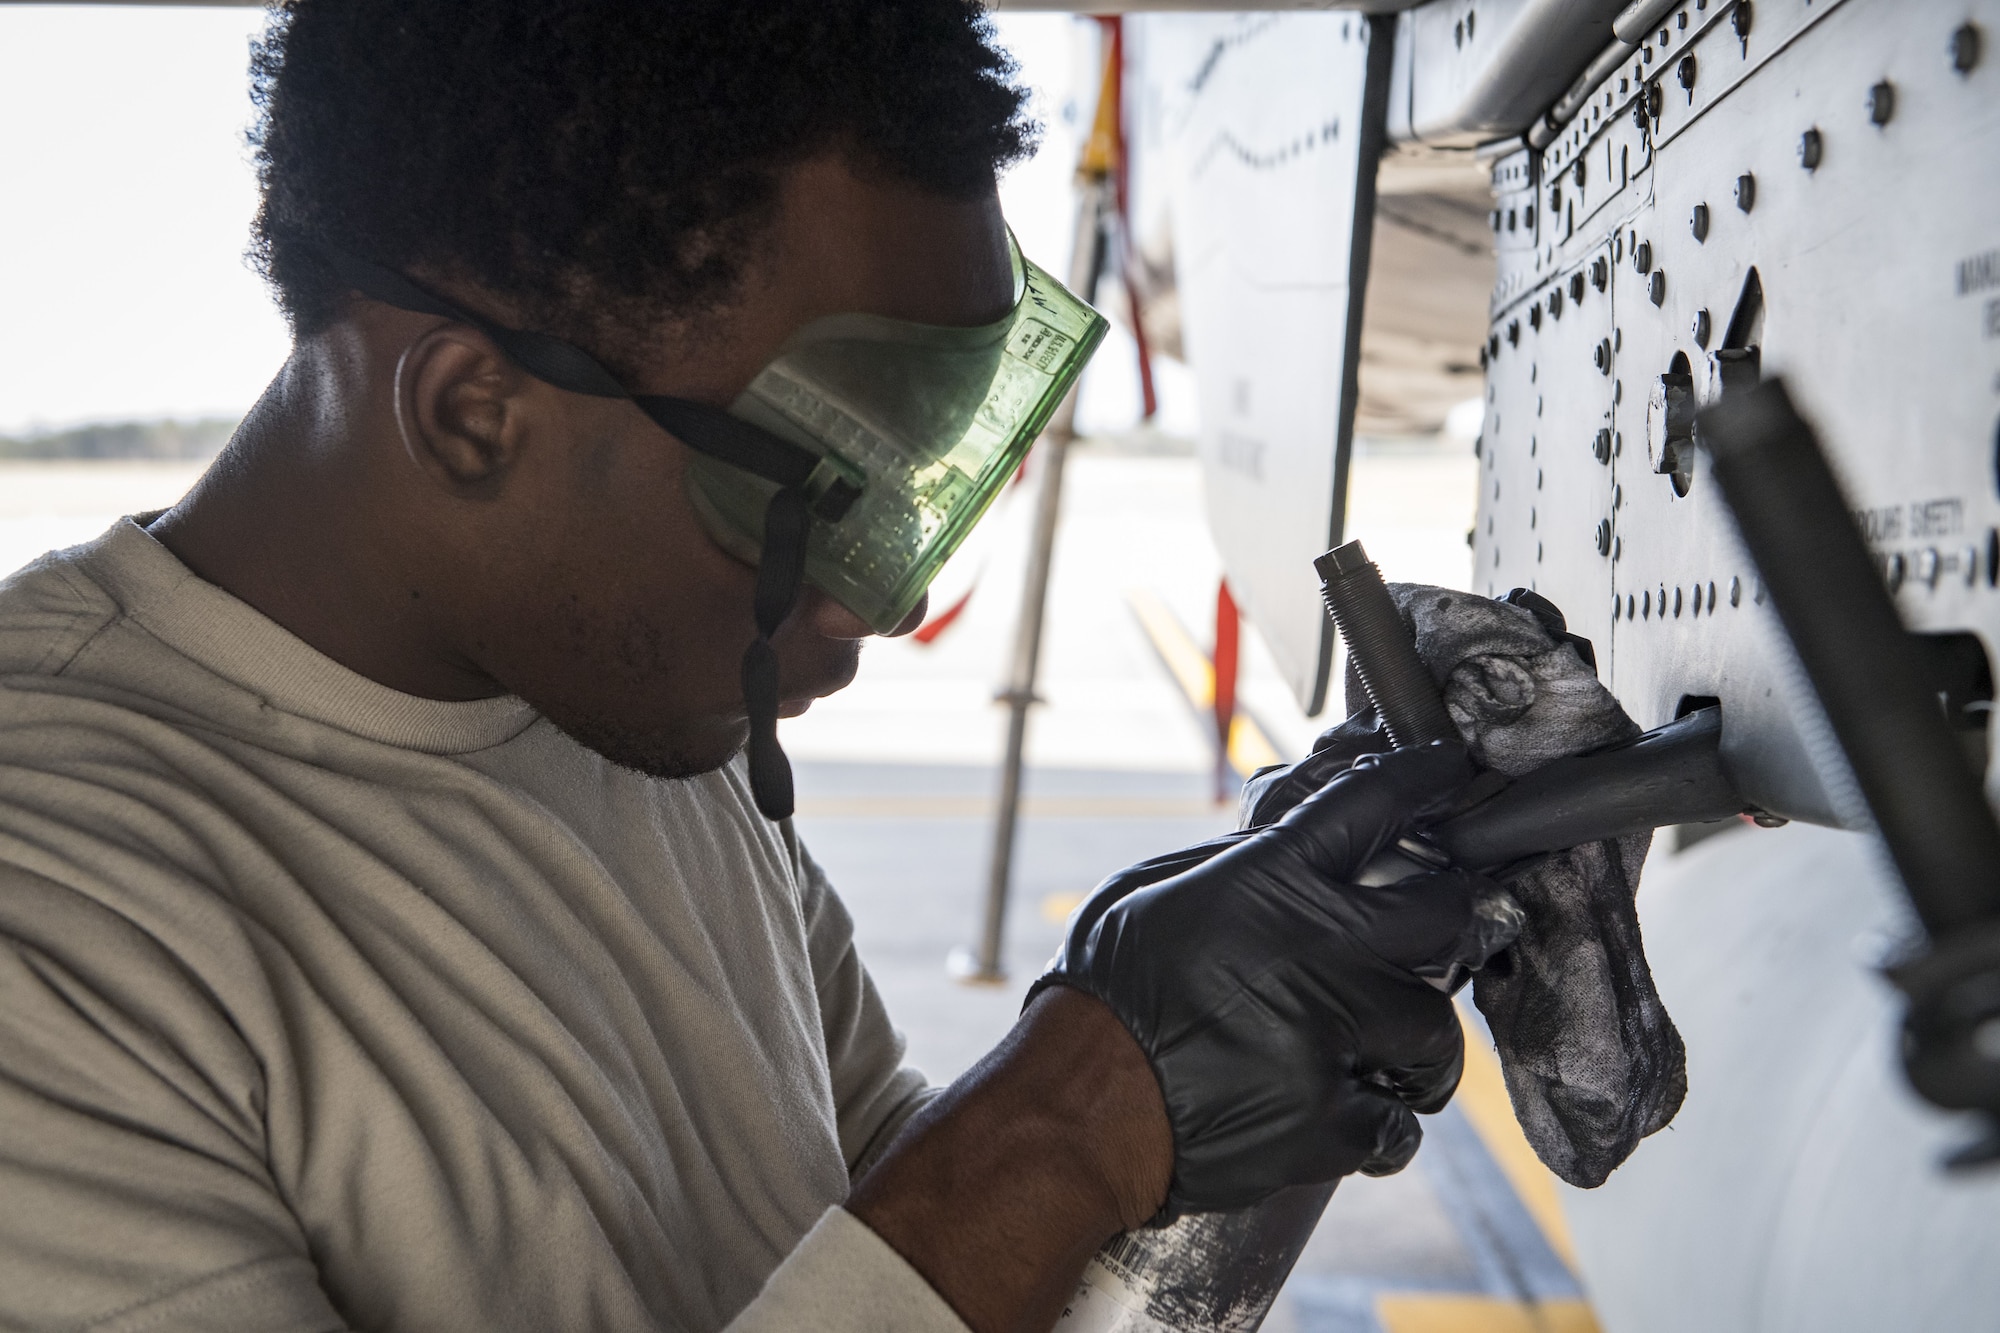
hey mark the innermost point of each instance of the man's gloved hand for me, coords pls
(1274, 999)
(1270, 792)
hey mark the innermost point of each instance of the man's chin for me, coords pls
(659, 754)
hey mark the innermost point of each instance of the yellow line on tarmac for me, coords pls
(1482, 1095)
(1480, 1314)
(1249, 748)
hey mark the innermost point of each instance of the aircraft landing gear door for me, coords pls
(1274, 199)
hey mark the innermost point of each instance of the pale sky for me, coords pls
(128, 197)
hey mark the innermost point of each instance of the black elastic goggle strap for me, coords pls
(703, 428)
(780, 572)
(797, 471)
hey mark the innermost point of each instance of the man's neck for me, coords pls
(298, 518)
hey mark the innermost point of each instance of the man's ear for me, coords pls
(462, 410)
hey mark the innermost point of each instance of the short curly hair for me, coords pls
(602, 164)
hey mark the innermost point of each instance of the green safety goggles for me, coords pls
(858, 459)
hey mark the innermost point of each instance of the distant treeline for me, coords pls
(124, 440)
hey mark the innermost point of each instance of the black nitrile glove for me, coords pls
(1274, 999)
(1269, 792)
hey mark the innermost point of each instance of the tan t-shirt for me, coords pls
(325, 1006)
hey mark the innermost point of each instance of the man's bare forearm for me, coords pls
(1002, 1189)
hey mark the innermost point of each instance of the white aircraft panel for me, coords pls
(1263, 120)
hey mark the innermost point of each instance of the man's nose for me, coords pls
(831, 620)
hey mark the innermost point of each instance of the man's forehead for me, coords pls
(845, 242)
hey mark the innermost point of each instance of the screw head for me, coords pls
(1698, 222)
(1600, 272)
(1656, 289)
(1685, 72)
(1746, 192)
(1604, 536)
(1514, 333)
(1642, 256)
(1534, 316)
(1655, 99)
(1742, 19)
(1575, 287)
(1700, 329)
(1576, 173)
(1600, 445)
(1882, 103)
(1965, 48)
(1811, 148)
(1556, 304)
(1600, 356)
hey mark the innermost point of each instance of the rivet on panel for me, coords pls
(1700, 328)
(1965, 48)
(1882, 103)
(1576, 288)
(1698, 222)
(1746, 192)
(1711, 597)
(1656, 288)
(1600, 446)
(1685, 72)
(1742, 19)
(1735, 591)
(1642, 256)
(1604, 536)
(1811, 148)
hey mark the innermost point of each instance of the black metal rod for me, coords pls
(1382, 649)
(1670, 775)
(1869, 677)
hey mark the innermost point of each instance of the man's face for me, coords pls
(604, 601)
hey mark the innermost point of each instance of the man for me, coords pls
(391, 935)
